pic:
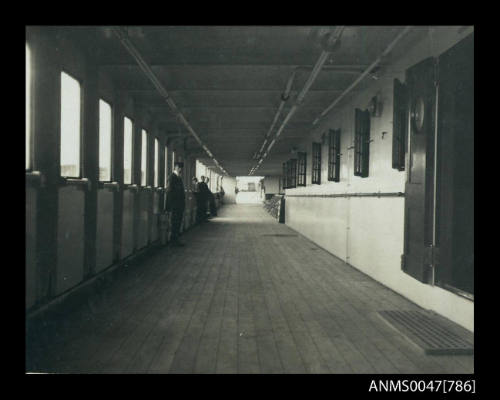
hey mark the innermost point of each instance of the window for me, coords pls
(334, 155)
(361, 142)
(104, 141)
(399, 130)
(173, 160)
(70, 126)
(301, 173)
(144, 158)
(28, 107)
(166, 166)
(316, 163)
(155, 163)
(291, 173)
(284, 174)
(127, 151)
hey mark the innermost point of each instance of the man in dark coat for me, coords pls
(175, 202)
(203, 200)
(211, 200)
(197, 196)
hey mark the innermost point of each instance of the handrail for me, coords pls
(35, 177)
(374, 194)
(76, 182)
(131, 186)
(111, 185)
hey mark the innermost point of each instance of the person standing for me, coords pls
(211, 201)
(175, 202)
(198, 196)
(203, 195)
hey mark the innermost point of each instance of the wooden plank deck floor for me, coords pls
(238, 299)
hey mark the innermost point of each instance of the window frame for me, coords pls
(112, 140)
(362, 141)
(284, 175)
(81, 119)
(400, 125)
(131, 151)
(165, 178)
(292, 173)
(316, 163)
(301, 168)
(156, 162)
(334, 155)
(29, 119)
(144, 156)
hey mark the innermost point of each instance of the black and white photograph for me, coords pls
(251, 199)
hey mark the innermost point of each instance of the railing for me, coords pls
(274, 206)
(374, 194)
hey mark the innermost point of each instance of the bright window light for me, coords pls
(173, 160)
(28, 105)
(104, 141)
(127, 151)
(144, 158)
(155, 163)
(70, 126)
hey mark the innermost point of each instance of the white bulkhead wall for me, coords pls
(367, 232)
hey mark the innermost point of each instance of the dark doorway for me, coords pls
(439, 191)
(419, 187)
(456, 167)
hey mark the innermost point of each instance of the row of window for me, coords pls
(294, 176)
(70, 138)
(294, 170)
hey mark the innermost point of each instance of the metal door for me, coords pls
(418, 230)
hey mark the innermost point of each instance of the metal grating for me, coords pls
(279, 234)
(432, 333)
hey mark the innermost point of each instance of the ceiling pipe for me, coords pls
(286, 95)
(123, 37)
(364, 74)
(332, 42)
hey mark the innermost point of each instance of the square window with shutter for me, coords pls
(316, 163)
(292, 173)
(301, 173)
(361, 142)
(285, 173)
(399, 130)
(334, 155)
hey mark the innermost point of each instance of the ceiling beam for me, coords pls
(232, 90)
(344, 68)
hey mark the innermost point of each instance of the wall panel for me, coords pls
(127, 244)
(104, 237)
(30, 246)
(144, 201)
(70, 238)
(154, 217)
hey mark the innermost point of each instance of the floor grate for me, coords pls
(279, 234)
(434, 334)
